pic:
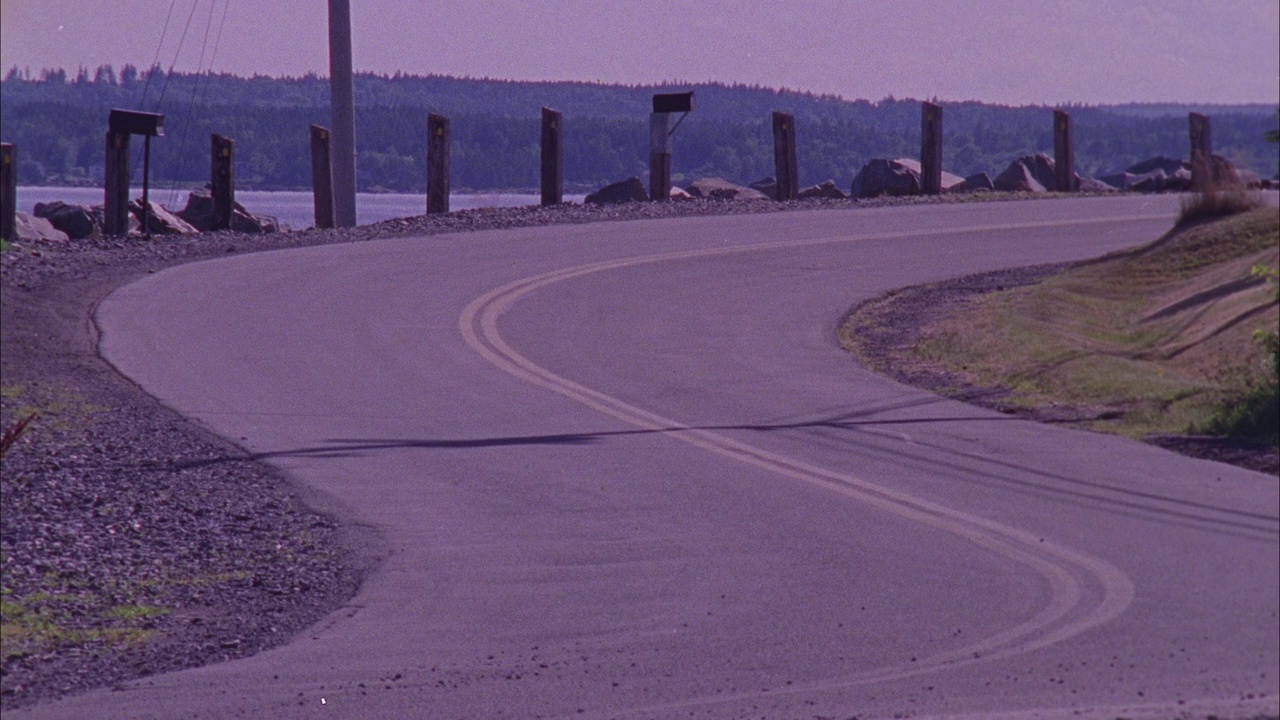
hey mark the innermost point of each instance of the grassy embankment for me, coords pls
(1167, 338)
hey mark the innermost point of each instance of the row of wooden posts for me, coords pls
(222, 170)
(784, 156)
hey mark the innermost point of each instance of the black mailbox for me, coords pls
(673, 102)
(132, 122)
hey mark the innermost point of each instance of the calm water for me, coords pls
(295, 209)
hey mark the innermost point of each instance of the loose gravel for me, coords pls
(134, 542)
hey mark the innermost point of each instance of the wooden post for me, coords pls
(552, 157)
(8, 190)
(322, 176)
(1064, 154)
(437, 164)
(930, 148)
(784, 156)
(116, 185)
(660, 146)
(1201, 152)
(222, 179)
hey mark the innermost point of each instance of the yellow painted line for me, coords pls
(1065, 570)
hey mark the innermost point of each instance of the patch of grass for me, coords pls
(1153, 340)
(59, 407)
(69, 612)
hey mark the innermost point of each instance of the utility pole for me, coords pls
(342, 99)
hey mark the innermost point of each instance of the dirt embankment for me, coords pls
(1153, 342)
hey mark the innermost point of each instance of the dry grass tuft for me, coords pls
(1220, 199)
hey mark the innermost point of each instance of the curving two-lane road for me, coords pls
(624, 470)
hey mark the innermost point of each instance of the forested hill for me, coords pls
(58, 121)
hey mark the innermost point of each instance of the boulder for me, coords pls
(979, 182)
(160, 220)
(1092, 185)
(1168, 165)
(30, 227)
(1030, 173)
(679, 194)
(1174, 175)
(826, 190)
(199, 213)
(720, 189)
(74, 220)
(1154, 181)
(1018, 177)
(630, 190)
(1118, 181)
(886, 177)
(1179, 179)
(894, 177)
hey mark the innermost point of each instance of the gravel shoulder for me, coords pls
(134, 542)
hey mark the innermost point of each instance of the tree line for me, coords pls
(58, 121)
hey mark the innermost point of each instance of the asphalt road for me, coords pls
(624, 470)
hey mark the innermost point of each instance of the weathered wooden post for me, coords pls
(8, 190)
(1064, 154)
(784, 156)
(222, 180)
(322, 176)
(660, 146)
(552, 157)
(660, 140)
(930, 148)
(115, 211)
(437, 164)
(1201, 152)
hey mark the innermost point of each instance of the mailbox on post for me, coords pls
(121, 124)
(132, 122)
(660, 131)
(673, 102)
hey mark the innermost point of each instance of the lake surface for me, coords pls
(295, 209)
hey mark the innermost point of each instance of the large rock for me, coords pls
(826, 190)
(1018, 178)
(978, 182)
(199, 213)
(30, 227)
(74, 220)
(630, 190)
(1092, 185)
(1168, 165)
(1030, 173)
(894, 177)
(1174, 174)
(1118, 181)
(881, 176)
(160, 220)
(721, 189)
(1154, 181)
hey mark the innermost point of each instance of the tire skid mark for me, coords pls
(1067, 572)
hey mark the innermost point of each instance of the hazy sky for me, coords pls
(1007, 51)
